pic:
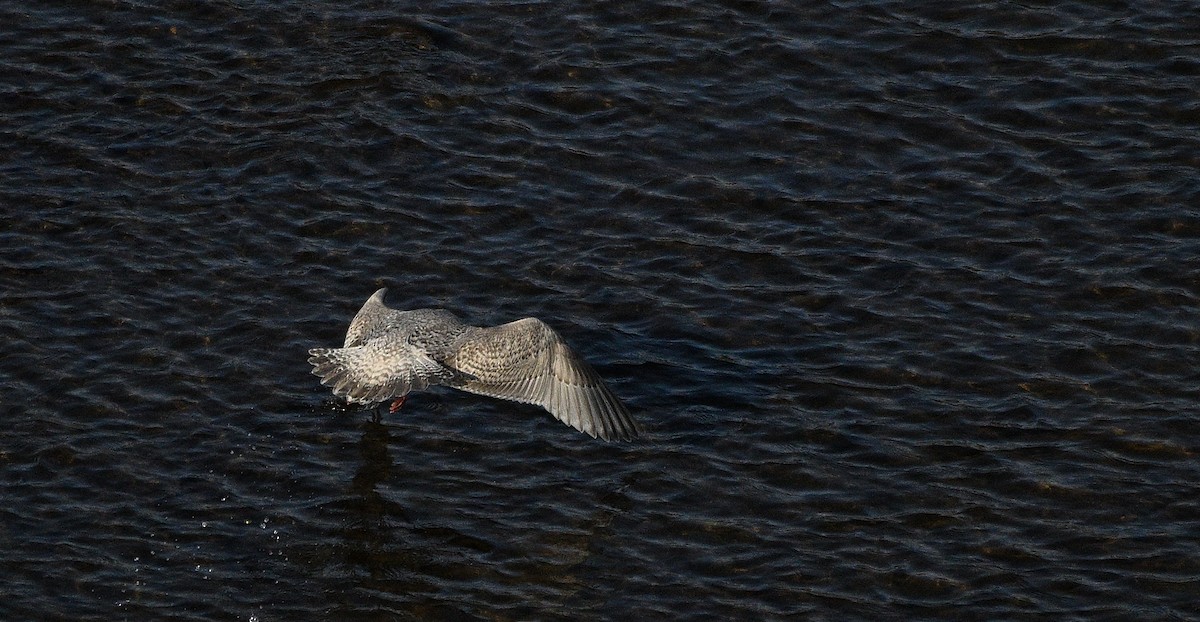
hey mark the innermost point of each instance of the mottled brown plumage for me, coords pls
(388, 353)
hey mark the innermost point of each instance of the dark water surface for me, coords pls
(905, 294)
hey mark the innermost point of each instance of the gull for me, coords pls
(389, 353)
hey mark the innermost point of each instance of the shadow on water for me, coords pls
(383, 557)
(402, 556)
(376, 466)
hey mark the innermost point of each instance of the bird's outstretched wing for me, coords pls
(377, 370)
(526, 361)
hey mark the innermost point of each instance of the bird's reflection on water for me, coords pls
(375, 468)
(406, 549)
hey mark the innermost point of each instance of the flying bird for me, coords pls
(389, 353)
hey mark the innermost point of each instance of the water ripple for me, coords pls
(904, 296)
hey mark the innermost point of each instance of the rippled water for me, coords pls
(905, 296)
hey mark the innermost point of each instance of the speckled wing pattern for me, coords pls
(527, 361)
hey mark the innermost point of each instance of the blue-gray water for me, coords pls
(905, 295)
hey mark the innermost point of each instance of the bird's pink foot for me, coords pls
(396, 404)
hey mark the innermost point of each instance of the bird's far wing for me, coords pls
(376, 371)
(368, 319)
(527, 361)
